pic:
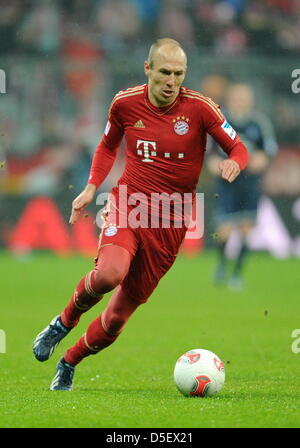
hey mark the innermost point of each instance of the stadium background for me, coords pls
(65, 60)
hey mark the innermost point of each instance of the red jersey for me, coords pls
(165, 149)
(165, 146)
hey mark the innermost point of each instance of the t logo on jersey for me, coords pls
(146, 149)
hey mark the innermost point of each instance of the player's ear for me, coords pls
(146, 68)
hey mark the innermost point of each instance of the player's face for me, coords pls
(165, 76)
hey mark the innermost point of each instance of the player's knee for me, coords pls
(107, 279)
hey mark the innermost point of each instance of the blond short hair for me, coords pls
(159, 43)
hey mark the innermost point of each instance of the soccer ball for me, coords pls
(199, 373)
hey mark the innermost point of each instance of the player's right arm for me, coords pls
(102, 163)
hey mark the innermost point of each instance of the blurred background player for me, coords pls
(236, 205)
(215, 86)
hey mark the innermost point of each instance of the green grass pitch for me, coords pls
(130, 384)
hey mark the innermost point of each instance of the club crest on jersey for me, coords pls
(110, 231)
(181, 126)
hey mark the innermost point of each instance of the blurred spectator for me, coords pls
(10, 18)
(175, 22)
(148, 10)
(64, 59)
(41, 28)
(118, 23)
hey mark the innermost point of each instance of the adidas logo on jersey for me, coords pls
(139, 124)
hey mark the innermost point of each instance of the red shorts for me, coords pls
(153, 251)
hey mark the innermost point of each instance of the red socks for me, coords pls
(84, 298)
(104, 330)
(94, 340)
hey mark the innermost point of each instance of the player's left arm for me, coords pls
(226, 137)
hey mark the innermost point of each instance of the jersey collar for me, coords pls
(159, 110)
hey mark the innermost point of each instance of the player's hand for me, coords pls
(229, 169)
(82, 200)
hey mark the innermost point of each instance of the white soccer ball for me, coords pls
(199, 373)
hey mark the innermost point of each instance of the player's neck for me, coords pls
(159, 104)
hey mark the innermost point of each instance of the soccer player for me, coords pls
(236, 206)
(165, 126)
